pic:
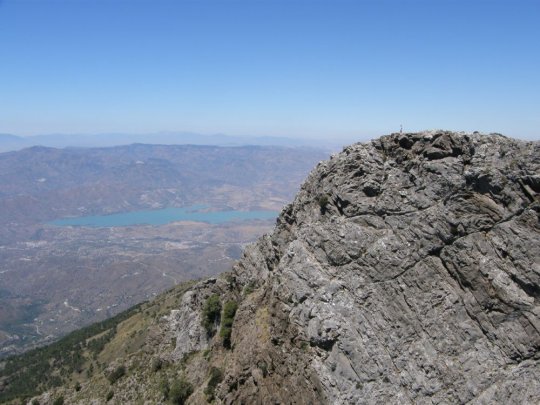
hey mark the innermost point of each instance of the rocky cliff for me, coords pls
(407, 270)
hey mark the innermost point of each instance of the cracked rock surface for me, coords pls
(406, 271)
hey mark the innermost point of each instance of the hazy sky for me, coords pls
(267, 67)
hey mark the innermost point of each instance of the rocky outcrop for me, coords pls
(407, 270)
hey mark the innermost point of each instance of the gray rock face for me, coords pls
(407, 270)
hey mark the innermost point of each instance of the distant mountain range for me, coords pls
(44, 183)
(10, 142)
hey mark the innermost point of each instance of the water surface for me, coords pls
(164, 216)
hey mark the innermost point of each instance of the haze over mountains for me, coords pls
(55, 279)
(10, 142)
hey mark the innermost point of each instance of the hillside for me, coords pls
(84, 355)
(405, 271)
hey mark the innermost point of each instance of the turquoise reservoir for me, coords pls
(164, 216)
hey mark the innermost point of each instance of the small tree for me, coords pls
(211, 313)
(157, 363)
(323, 200)
(216, 376)
(116, 374)
(229, 311)
(180, 391)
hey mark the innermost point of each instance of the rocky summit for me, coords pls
(406, 271)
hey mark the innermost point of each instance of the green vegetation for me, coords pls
(249, 288)
(110, 395)
(180, 391)
(96, 345)
(35, 371)
(164, 388)
(84, 354)
(157, 363)
(229, 311)
(323, 200)
(116, 374)
(211, 313)
(216, 376)
(59, 401)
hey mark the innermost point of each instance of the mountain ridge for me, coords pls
(10, 142)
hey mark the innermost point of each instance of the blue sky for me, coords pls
(342, 69)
